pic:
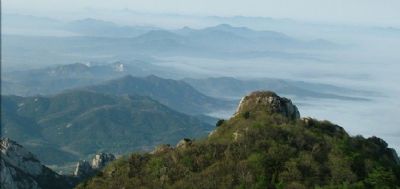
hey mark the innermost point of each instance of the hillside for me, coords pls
(55, 79)
(264, 145)
(75, 124)
(102, 38)
(172, 93)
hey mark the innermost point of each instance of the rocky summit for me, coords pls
(85, 169)
(264, 145)
(100, 160)
(267, 101)
(20, 169)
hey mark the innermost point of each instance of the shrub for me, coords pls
(220, 122)
(246, 115)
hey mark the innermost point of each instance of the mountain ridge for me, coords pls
(261, 146)
(173, 93)
(85, 122)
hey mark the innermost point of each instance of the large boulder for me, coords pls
(184, 143)
(267, 101)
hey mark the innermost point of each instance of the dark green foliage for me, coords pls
(246, 115)
(48, 180)
(76, 124)
(220, 122)
(262, 151)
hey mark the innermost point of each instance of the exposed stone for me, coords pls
(21, 170)
(15, 155)
(269, 101)
(83, 169)
(307, 121)
(13, 178)
(18, 166)
(236, 135)
(212, 133)
(184, 143)
(161, 149)
(100, 160)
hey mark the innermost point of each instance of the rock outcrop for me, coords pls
(268, 101)
(101, 160)
(85, 169)
(20, 169)
(184, 143)
(161, 149)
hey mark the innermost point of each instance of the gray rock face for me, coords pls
(15, 155)
(269, 101)
(20, 169)
(18, 166)
(184, 143)
(13, 178)
(84, 168)
(100, 160)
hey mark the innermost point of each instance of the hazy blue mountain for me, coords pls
(163, 42)
(228, 87)
(232, 38)
(96, 27)
(28, 21)
(54, 79)
(74, 124)
(222, 41)
(172, 93)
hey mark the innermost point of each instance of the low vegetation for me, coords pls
(261, 150)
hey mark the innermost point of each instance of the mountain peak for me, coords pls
(268, 101)
(85, 169)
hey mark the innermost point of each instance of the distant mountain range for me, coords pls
(232, 88)
(54, 79)
(206, 93)
(100, 28)
(172, 93)
(98, 38)
(222, 39)
(74, 124)
(96, 27)
(101, 78)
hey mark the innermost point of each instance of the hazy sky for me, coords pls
(384, 12)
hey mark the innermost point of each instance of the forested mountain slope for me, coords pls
(264, 145)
